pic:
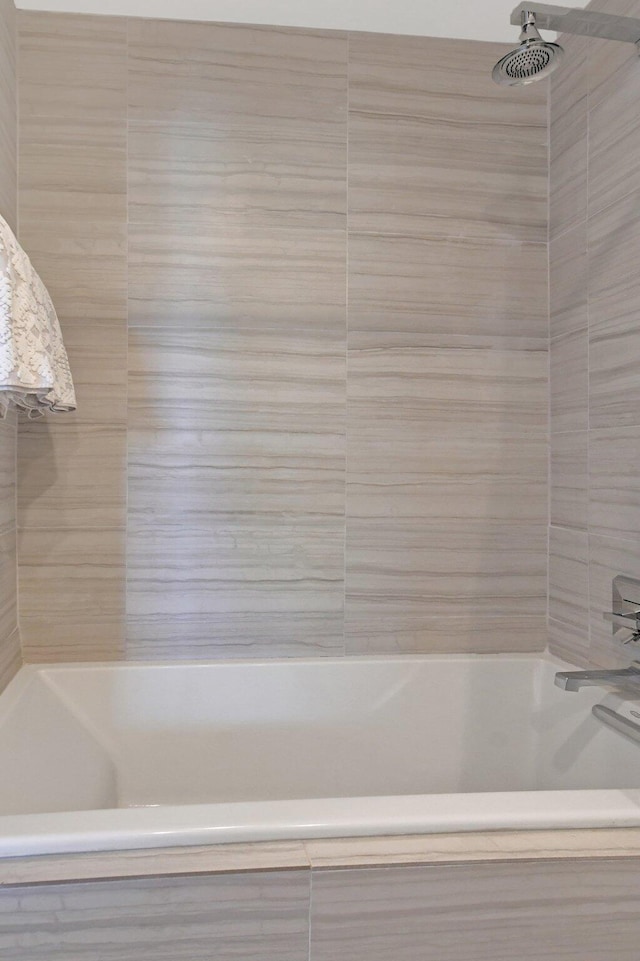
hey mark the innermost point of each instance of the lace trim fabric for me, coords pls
(34, 368)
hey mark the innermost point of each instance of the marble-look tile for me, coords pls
(568, 281)
(609, 556)
(236, 382)
(614, 138)
(247, 917)
(452, 286)
(570, 910)
(569, 592)
(614, 495)
(161, 862)
(10, 658)
(186, 276)
(98, 359)
(8, 466)
(236, 492)
(8, 114)
(222, 72)
(71, 475)
(72, 589)
(8, 591)
(569, 494)
(234, 586)
(265, 174)
(422, 143)
(569, 139)
(471, 846)
(83, 263)
(442, 568)
(569, 376)
(73, 79)
(614, 335)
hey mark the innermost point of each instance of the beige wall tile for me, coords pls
(265, 174)
(201, 72)
(8, 595)
(614, 137)
(568, 139)
(184, 276)
(8, 112)
(72, 590)
(71, 475)
(614, 493)
(569, 592)
(614, 339)
(8, 462)
(569, 376)
(422, 160)
(569, 479)
(576, 911)
(455, 286)
(247, 917)
(568, 278)
(10, 658)
(236, 492)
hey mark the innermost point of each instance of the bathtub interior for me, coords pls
(91, 737)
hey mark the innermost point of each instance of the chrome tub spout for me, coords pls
(624, 677)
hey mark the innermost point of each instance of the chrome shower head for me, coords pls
(533, 60)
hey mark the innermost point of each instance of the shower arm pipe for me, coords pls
(584, 23)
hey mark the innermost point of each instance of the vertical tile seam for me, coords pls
(125, 618)
(17, 45)
(549, 451)
(346, 351)
(588, 299)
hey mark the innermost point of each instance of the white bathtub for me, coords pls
(111, 757)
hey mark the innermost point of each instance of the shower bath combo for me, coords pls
(535, 58)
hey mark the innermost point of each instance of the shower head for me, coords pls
(533, 60)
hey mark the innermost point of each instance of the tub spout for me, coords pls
(625, 677)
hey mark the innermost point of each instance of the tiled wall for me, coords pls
(302, 280)
(577, 910)
(595, 340)
(9, 638)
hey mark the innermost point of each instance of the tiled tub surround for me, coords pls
(595, 340)
(10, 657)
(99, 758)
(303, 295)
(414, 899)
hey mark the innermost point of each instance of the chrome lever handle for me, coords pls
(628, 619)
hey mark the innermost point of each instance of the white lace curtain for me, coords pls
(34, 368)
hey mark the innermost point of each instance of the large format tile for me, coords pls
(10, 658)
(244, 917)
(569, 494)
(447, 286)
(8, 465)
(569, 139)
(8, 114)
(569, 592)
(234, 587)
(569, 376)
(261, 175)
(614, 138)
(577, 911)
(236, 493)
(186, 276)
(422, 143)
(71, 475)
(8, 591)
(614, 495)
(568, 281)
(72, 588)
(614, 336)
(221, 72)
